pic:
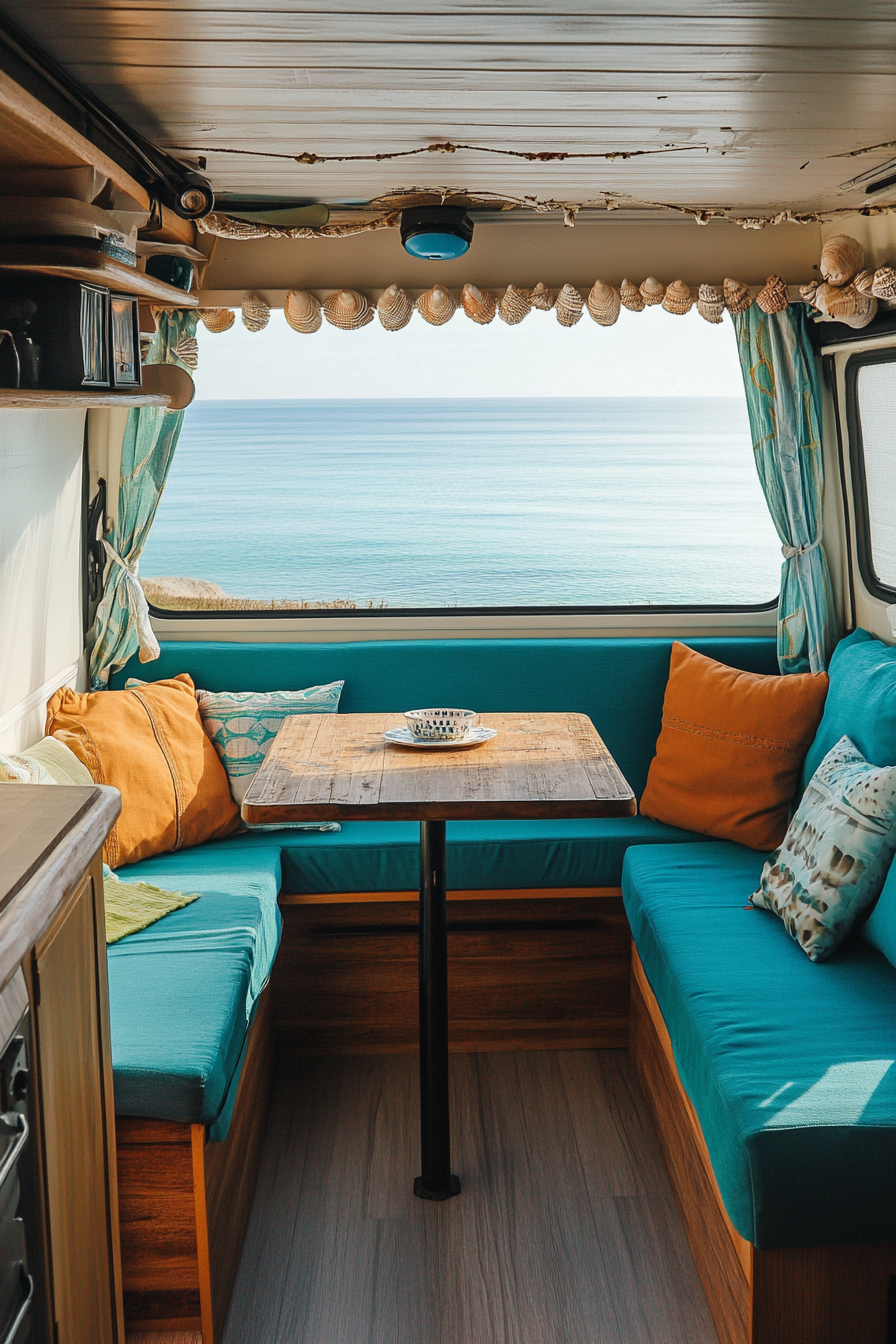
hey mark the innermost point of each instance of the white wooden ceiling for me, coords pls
(752, 89)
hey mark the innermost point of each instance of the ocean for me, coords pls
(469, 503)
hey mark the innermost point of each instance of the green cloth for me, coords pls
(783, 394)
(131, 906)
(182, 992)
(790, 1064)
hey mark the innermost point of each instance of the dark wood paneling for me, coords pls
(531, 974)
(822, 1295)
(718, 1263)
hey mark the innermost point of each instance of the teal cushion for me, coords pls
(618, 683)
(384, 855)
(791, 1066)
(880, 928)
(861, 702)
(183, 992)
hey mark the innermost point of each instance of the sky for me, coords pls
(646, 354)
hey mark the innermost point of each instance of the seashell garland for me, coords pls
(630, 297)
(864, 280)
(711, 303)
(568, 306)
(436, 306)
(187, 351)
(883, 285)
(678, 298)
(844, 303)
(479, 305)
(256, 313)
(738, 296)
(808, 292)
(541, 298)
(652, 291)
(772, 298)
(348, 310)
(604, 303)
(514, 305)
(302, 312)
(217, 319)
(842, 257)
(394, 308)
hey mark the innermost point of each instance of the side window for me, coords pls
(871, 403)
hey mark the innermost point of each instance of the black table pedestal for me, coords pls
(436, 1182)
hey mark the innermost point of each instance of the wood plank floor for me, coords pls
(566, 1231)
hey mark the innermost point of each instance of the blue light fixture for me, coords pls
(436, 232)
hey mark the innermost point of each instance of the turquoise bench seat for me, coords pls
(182, 993)
(385, 856)
(791, 1066)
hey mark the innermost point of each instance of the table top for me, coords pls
(337, 767)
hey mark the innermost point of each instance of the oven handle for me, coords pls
(12, 1156)
(9, 1338)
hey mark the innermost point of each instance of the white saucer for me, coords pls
(402, 737)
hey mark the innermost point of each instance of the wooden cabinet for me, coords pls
(52, 924)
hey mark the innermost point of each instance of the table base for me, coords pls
(437, 1181)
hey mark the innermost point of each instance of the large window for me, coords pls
(466, 467)
(871, 386)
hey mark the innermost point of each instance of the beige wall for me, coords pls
(40, 566)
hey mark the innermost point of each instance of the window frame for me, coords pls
(861, 508)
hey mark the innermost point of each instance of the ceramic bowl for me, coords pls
(440, 725)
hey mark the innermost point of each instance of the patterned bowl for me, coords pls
(440, 725)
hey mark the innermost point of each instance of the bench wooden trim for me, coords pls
(185, 1204)
(815, 1294)
(495, 894)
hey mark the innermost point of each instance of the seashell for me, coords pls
(652, 291)
(514, 305)
(217, 319)
(187, 351)
(864, 280)
(436, 306)
(478, 304)
(678, 298)
(348, 310)
(394, 308)
(568, 306)
(256, 313)
(808, 292)
(772, 298)
(844, 303)
(710, 303)
(541, 298)
(302, 312)
(604, 303)
(842, 257)
(738, 296)
(630, 296)
(884, 284)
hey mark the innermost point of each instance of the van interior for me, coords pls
(448, 672)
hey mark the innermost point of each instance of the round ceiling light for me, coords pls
(436, 232)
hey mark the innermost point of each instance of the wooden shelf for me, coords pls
(38, 399)
(76, 263)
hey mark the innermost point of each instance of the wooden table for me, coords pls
(337, 767)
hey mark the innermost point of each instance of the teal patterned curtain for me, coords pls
(784, 403)
(122, 619)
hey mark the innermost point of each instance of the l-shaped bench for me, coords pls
(541, 954)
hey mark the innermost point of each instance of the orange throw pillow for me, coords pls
(150, 744)
(731, 748)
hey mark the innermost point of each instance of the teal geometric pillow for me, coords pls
(243, 725)
(835, 855)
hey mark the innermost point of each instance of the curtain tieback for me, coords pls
(790, 552)
(136, 601)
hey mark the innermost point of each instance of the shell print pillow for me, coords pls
(831, 867)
